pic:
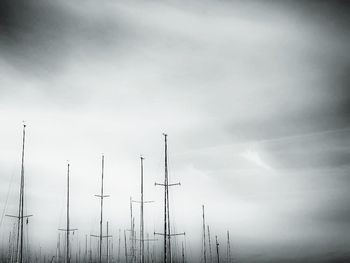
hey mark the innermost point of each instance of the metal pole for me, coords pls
(67, 249)
(228, 248)
(204, 245)
(107, 245)
(100, 254)
(165, 200)
(210, 252)
(183, 253)
(217, 249)
(125, 248)
(21, 201)
(141, 218)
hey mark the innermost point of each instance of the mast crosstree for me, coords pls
(142, 224)
(167, 233)
(101, 196)
(20, 217)
(67, 229)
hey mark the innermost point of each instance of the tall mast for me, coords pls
(86, 250)
(142, 222)
(67, 229)
(210, 252)
(125, 248)
(20, 216)
(166, 200)
(22, 194)
(228, 252)
(101, 196)
(217, 249)
(101, 217)
(132, 233)
(107, 244)
(142, 242)
(118, 258)
(167, 234)
(183, 252)
(67, 256)
(204, 244)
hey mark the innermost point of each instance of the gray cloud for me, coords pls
(254, 96)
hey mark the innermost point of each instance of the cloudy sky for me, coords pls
(253, 94)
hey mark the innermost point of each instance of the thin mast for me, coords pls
(67, 229)
(125, 248)
(132, 233)
(118, 258)
(20, 216)
(165, 196)
(211, 255)
(183, 253)
(86, 250)
(217, 249)
(204, 245)
(101, 196)
(22, 194)
(107, 244)
(67, 256)
(228, 252)
(142, 241)
(167, 234)
(103, 162)
(167, 224)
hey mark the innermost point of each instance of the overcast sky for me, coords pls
(253, 94)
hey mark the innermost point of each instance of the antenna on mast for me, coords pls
(204, 244)
(167, 234)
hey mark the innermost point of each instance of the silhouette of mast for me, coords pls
(142, 230)
(142, 241)
(183, 252)
(204, 244)
(125, 248)
(132, 233)
(21, 216)
(68, 230)
(210, 252)
(228, 252)
(217, 249)
(167, 234)
(101, 196)
(118, 257)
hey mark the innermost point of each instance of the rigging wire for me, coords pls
(7, 197)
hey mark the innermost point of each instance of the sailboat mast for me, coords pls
(228, 252)
(107, 244)
(118, 258)
(132, 238)
(101, 217)
(125, 248)
(21, 204)
(142, 243)
(166, 203)
(204, 244)
(67, 250)
(210, 252)
(217, 249)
